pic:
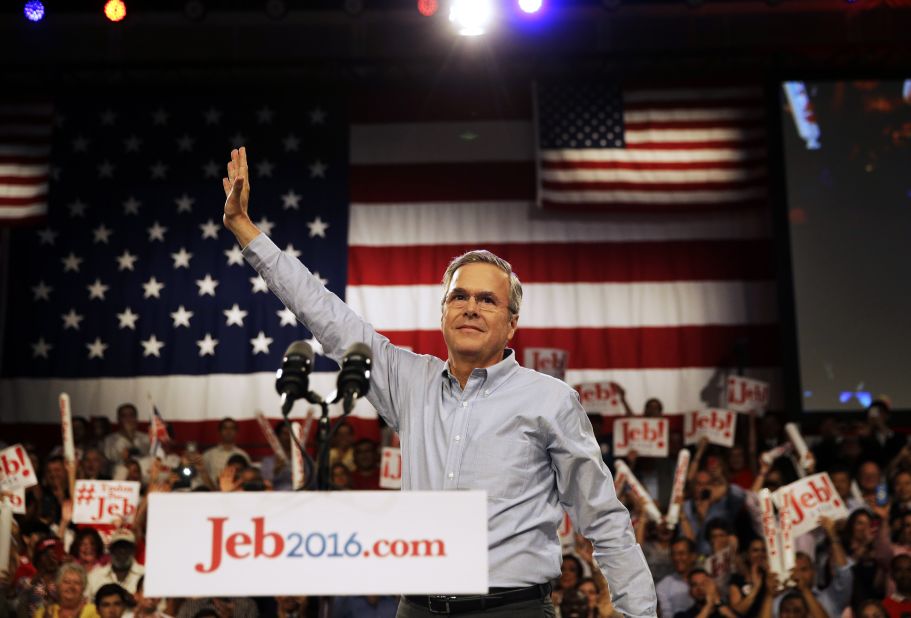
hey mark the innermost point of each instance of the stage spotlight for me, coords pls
(428, 8)
(471, 17)
(530, 6)
(115, 10)
(194, 10)
(34, 10)
(276, 9)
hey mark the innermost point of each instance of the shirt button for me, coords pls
(451, 475)
(457, 438)
(464, 404)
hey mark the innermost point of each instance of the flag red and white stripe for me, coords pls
(25, 146)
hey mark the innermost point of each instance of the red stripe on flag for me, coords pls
(23, 181)
(748, 163)
(750, 103)
(701, 145)
(657, 187)
(629, 348)
(655, 125)
(24, 201)
(654, 207)
(442, 182)
(626, 262)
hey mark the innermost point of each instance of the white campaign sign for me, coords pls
(16, 470)
(391, 468)
(551, 361)
(311, 543)
(745, 394)
(646, 436)
(718, 426)
(601, 398)
(105, 502)
(811, 498)
(17, 501)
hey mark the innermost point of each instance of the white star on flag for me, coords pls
(101, 234)
(209, 229)
(185, 143)
(291, 143)
(71, 320)
(318, 169)
(127, 319)
(261, 343)
(317, 116)
(158, 170)
(97, 290)
(207, 345)
(207, 285)
(41, 348)
(210, 169)
(106, 169)
(47, 236)
(212, 116)
(71, 263)
(265, 225)
(292, 252)
(181, 317)
(184, 203)
(181, 258)
(152, 347)
(126, 260)
(152, 287)
(131, 206)
(291, 200)
(235, 315)
(132, 144)
(264, 169)
(77, 208)
(287, 317)
(42, 291)
(318, 227)
(96, 348)
(160, 117)
(156, 232)
(235, 256)
(259, 284)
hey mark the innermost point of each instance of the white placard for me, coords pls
(6, 524)
(601, 398)
(566, 533)
(311, 543)
(271, 438)
(551, 361)
(680, 472)
(105, 502)
(718, 426)
(746, 394)
(298, 473)
(811, 498)
(16, 470)
(66, 428)
(16, 499)
(391, 468)
(646, 436)
(771, 534)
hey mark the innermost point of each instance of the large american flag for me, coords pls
(604, 147)
(25, 144)
(132, 290)
(658, 301)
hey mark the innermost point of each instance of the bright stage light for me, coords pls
(115, 10)
(34, 10)
(471, 17)
(530, 6)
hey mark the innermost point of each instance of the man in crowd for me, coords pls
(707, 603)
(674, 590)
(898, 604)
(216, 458)
(476, 421)
(127, 442)
(123, 569)
(713, 498)
(111, 601)
(366, 473)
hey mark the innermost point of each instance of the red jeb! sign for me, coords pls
(811, 498)
(646, 436)
(105, 502)
(718, 426)
(551, 361)
(16, 470)
(745, 395)
(601, 398)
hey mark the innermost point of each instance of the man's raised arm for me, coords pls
(237, 194)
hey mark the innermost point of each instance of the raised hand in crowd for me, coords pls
(227, 479)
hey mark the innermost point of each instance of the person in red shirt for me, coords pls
(898, 603)
(366, 474)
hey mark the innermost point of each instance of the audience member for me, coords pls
(216, 458)
(127, 442)
(123, 568)
(70, 594)
(674, 590)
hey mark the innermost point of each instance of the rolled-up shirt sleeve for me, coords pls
(586, 490)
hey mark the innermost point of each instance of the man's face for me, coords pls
(92, 463)
(365, 456)
(127, 419)
(903, 486)
(793, 608)
(70, 589)
(842, 482)
(701, 484)
(122, 556)
(868, 477)
(228, 432)
(591, 592)
(803, 571)
(697, 586)
(652, 408)
(682, 558)
(901, 573)
(55, 472)
(476, 322)
(111, 606)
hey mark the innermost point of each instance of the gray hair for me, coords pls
(483, 256)
(73, 567)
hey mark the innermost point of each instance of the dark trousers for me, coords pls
(539, 608)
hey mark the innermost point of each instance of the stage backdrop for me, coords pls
(131, 288)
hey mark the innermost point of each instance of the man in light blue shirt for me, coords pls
(475, 421)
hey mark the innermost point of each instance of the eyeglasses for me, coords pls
(484, 301)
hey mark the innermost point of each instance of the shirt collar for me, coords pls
(494, 375)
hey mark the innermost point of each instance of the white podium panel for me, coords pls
(310, 543)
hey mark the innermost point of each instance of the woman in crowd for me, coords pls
(747, 584)
(71, 603)
(88, 549)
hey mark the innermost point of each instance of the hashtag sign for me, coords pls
(85, 494)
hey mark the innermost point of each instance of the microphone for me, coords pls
(292, 380)
(354, 377)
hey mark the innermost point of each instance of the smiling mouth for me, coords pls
(466, 327)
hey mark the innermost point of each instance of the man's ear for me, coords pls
(513, 325)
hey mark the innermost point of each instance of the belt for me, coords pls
(438, 604)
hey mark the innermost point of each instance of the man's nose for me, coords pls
(471, 306)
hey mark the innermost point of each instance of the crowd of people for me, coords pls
(711, 563)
